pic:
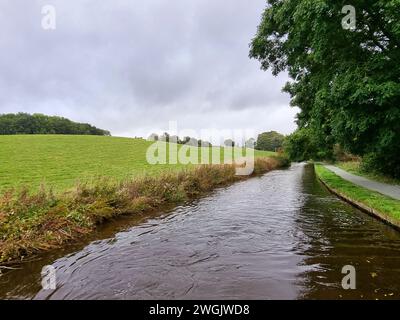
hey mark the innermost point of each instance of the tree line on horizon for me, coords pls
(266, 141)
(24, 123)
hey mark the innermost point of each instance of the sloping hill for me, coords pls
(60, 161)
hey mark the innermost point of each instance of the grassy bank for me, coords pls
(114, 179)
(59, 161)
(384, 207)
(355, 167)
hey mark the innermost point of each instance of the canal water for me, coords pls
(278, 236)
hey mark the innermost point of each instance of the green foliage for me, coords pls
(386, 164)
(299, 147)
(153, 137)
(202, 143)
(23, 123)
(345, 82)
(166, 137)
(185, 140)
(250, 143)
(270, 141)
(304, 144)
(229, 143)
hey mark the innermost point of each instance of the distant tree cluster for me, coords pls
(270, 141)
(24, 123)
(229, 143)
(266, 141)
(303, 145)
(250, 143)
(166, 137)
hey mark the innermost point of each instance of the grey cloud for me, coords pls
(131, 66)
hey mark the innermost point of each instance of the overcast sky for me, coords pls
(132, 66)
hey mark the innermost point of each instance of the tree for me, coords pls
(164, 137)
(229, 143)
(24, 123)
(251, 143)
(303, 145)
(185, 140)
(192, 142)
(202, 143)
(270, 141)
(345, 82)
(153, 137)
(173, 139)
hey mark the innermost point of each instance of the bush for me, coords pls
(381, 164)
(304, 144)
(298, 146)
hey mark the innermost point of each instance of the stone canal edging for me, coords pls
(383, 217)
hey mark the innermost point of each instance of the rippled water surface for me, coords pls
(281, 235)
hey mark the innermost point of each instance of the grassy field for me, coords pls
(355, 167)
(89, 180)
(34, 221)
(59, 161)
(371, 199)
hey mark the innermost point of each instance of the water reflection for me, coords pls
(339, 235)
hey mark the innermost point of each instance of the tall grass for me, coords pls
(33, 222)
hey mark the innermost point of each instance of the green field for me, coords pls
(35, 219)
(60, 161)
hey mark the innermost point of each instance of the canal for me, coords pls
(278, 236)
